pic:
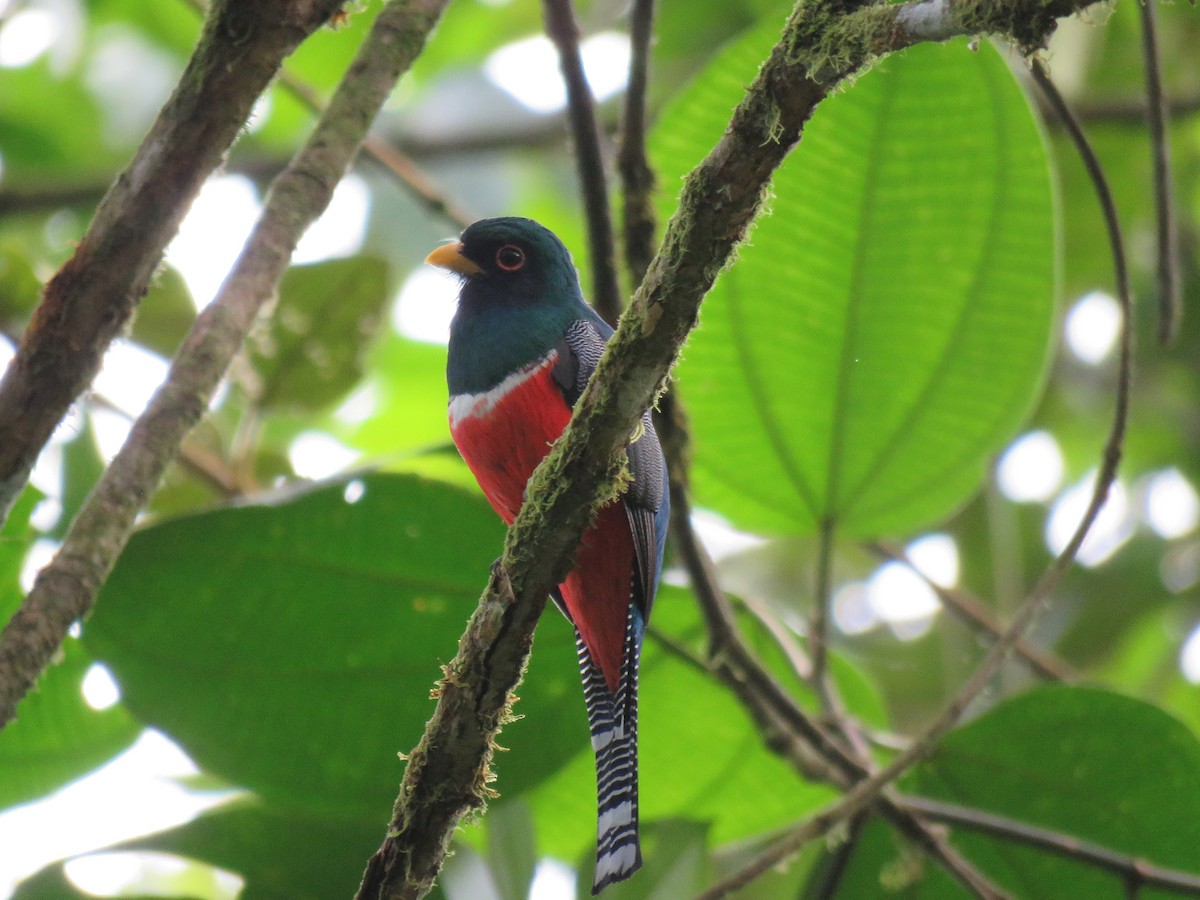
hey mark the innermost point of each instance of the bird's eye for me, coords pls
(510, 257)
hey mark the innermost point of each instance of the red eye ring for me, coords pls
(510, 257)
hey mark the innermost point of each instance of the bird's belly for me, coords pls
(504, 433)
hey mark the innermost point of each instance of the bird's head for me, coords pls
(520, 293)
(510, 263)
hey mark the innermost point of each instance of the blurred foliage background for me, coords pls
(917, 345)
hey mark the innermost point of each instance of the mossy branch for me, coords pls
(448, 773)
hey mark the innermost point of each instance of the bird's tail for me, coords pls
(612, 719)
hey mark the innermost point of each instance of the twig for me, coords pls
(581, 113)
(92, 296)
(976, 615)
(1133, 110)
(1131, 868)
(1170, 306)
(834, 867)
(737, 666)
(678, 649)
(66, 589)
(811, 829)
(784, 637)
(821, 823)
(208, 466)
(418, 183)
(637, 177)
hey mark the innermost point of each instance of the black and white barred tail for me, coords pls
(612, 720)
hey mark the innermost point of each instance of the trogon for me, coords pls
(523, 344)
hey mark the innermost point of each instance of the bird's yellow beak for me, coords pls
(450, 256)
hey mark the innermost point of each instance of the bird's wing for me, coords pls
(579, 351)
(645, 501)
(645, 505)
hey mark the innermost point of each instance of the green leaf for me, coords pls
(20, 288)
(1096, 765)
(82, 467)
(290, 646)
(1091, 764)
(886, 329)
(16, 536)
(52, 132)
(409, 389)
(313, 350)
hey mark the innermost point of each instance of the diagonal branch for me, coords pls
(1138, 872)
(976, 615)
(93, 295)
(66, 589)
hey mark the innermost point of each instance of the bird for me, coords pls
(523, 344)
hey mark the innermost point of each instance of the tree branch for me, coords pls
(637, 177)
(593, 185)
(66, 589)
(977, 616)
(93, 295)
(1170, 304)
(1131, 869)
(850, 806)
(447, 774)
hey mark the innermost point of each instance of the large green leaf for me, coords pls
(886, 328)
(16, 537)
(290, 646)
(313, 351)
(1091, 764)
(1097, 765)
(20, 288)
